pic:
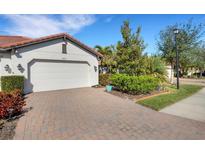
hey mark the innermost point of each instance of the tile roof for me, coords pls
(8, 42)
(12, 39)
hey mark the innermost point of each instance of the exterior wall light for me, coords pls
(19, 67)
(7, 68)
(99, 59)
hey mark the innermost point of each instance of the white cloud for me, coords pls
(42, 25)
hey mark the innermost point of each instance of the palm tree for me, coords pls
(104, 50)
(108, 61)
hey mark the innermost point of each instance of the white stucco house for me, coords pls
(49, 63)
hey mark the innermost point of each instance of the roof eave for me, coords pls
(5, 49)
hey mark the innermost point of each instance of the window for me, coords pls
(64, 48)
(95, 68)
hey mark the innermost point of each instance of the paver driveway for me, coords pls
(90, 113)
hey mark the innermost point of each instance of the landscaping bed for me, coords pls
(11, 108)
(7, 129)
(136, 87)
(136, 97)
(161, 101)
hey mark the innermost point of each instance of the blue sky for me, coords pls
(91, 29)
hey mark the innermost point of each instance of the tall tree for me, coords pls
(130, 51)
(188, 38)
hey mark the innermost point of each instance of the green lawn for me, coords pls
(159, 102)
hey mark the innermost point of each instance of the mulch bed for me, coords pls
(137, 96)
(8, 126)
(7, 129)
(98, 86)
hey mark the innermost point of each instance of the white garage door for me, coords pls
(55, 75)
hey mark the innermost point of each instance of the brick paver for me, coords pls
(90, 113)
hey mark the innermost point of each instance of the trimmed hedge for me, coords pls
(104, 79)
(10, 83)
(135, 84)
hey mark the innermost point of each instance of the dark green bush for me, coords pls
(135, 84)
(10, 83)
(104, 79)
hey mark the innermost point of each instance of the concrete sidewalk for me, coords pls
(192, 107)
(200, 82)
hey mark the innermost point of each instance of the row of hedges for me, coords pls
(10, 83)
(11, 104)
(135, 84)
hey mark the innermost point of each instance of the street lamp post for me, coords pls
(176, 31)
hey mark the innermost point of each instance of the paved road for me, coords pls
(192, 107)
(90, 113)
(200, 82)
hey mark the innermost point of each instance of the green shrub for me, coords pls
(104, 79)
(135, 84)
(10, 83)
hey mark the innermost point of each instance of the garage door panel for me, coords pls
(53, 75)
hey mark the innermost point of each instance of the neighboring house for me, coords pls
(191, 71)
(49, 63)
